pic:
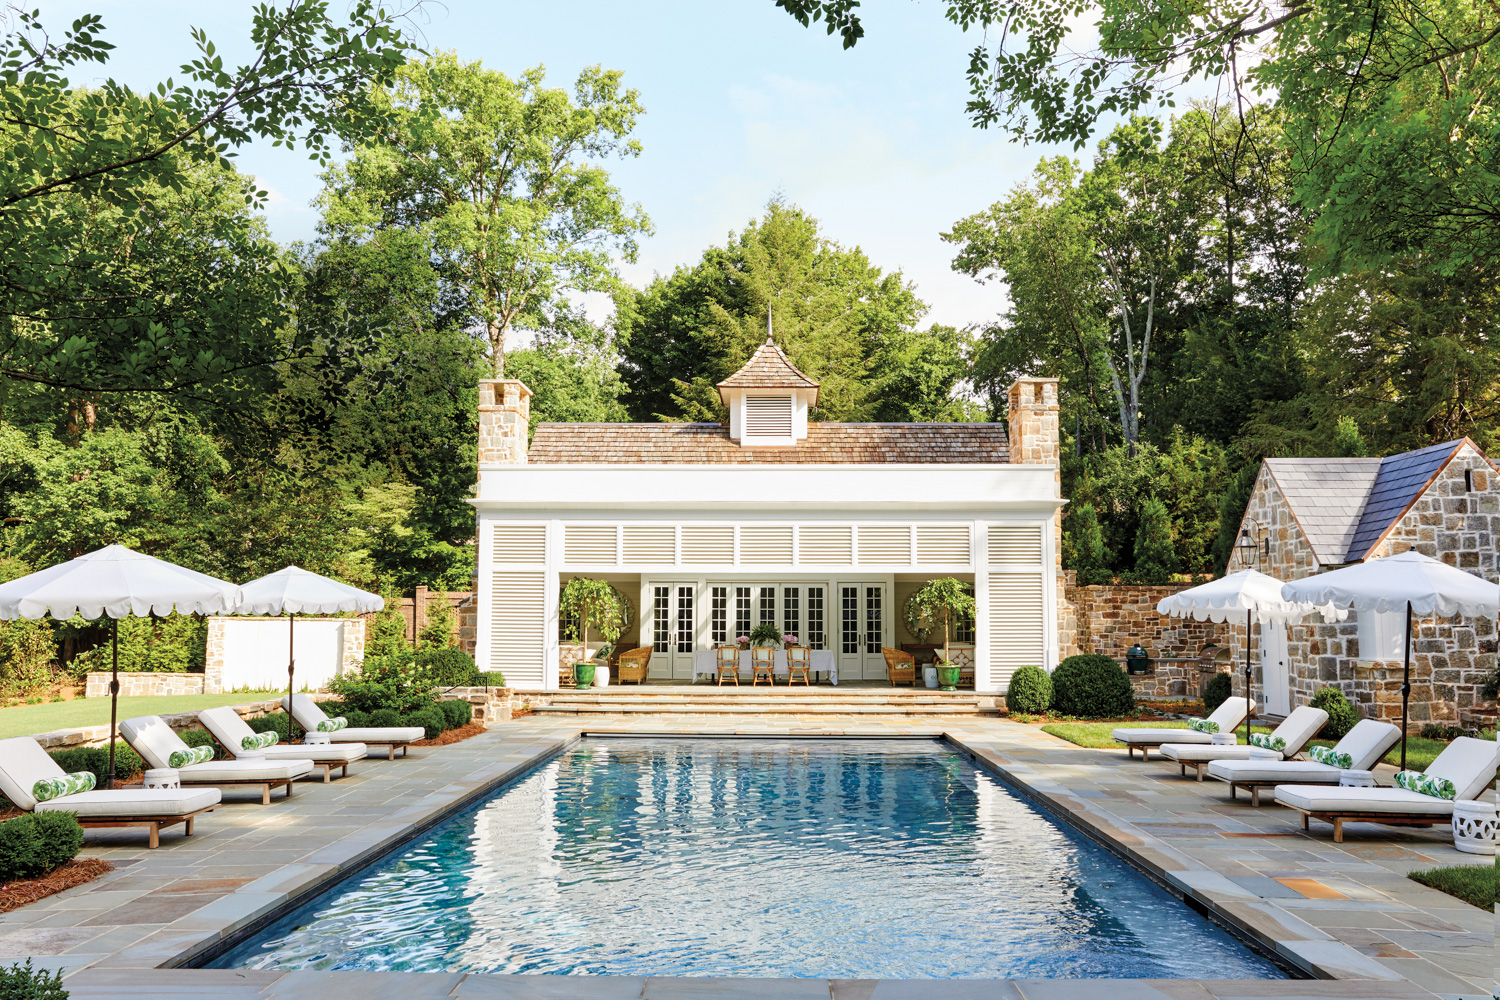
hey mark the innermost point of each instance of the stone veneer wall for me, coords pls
(98, 736)
(1034, 438)
(504, 421)
(1451, 657)
(135, 685)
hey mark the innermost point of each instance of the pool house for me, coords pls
(825, 529)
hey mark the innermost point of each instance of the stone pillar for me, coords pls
(1036, 439)
(504, 416)
(213, 657)
(353, 657)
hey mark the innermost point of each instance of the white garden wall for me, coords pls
(254, 653)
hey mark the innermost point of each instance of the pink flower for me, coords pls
(742, 638)
(789, 639)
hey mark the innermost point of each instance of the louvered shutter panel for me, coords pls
(762, 545)
(941, 544)
(650, 543)
(821, 544)
(707, 544)
(590, 543)
(1013, 545)
(884, 545)
(518, 639)
(519, 543)
(1017, 627)
(768, 416)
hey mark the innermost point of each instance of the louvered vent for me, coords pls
(1020, 546)
(884, 545)
(943, 544)
(763, 545)
(825, 544)
(650, 543)
(707, 544)
(768, 416)
(1017, 630)
(518, 639)
(520, 543)
(590, 543)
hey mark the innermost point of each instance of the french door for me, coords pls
(795, 609)
(1275, 676)
(673, 627)
(863, 609)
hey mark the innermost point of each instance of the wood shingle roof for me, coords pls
(826, 444)
(768, 368)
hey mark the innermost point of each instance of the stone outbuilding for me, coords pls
(1312, 515)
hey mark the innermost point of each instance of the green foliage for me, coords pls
(33, 844)
(203, 738)
(490, 678)
(456, 713)
(587, 604)
(1341, 715)
(1232, 507)
(27, 651)
(1347, 441)
(1090, 686)
(1216, 692)
(95, 760)
(276, 722)
(175, 644)
(571, 370)
(1155, 557)
(945, 602)
(385, 718)
(387, 630)
(432, 721)
(1474, 884)
(23, 982)
(396, 682)
(448, 666)
(440, 630)
(765, 634)
(1030, 691)
(1083, 546)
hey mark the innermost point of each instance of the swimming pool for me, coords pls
(745, 857)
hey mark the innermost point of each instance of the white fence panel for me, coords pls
(255, 653)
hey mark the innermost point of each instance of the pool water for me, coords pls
(701, 857)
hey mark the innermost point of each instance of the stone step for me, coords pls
(744, 708)
(655, 699)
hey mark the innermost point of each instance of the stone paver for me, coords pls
(1341, 912)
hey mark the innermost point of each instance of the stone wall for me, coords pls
(491, 705)
(1451, 657)
(1034, 438)
(504, 421)
(135, 685)
(98, 736)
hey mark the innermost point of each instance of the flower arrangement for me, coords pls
(742, 641)
(790, 640)
(765, 634)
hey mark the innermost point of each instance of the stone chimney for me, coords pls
(1034, 433)
(504, 413)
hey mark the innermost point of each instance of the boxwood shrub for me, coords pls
(456, 713)
(204, 738)
(33, 844)
(95, 760)
(1091, 686)
(385, 717)
(448, 666)
(1216, 692)
(430, 719)
(1030, 691)
(22, 982)
(277, 722)
(1341, 715)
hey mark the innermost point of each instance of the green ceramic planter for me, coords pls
(948, 677)
(583, 674)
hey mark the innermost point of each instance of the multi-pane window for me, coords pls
(849, 596)
(963, 629)
(791, 612)
(684, 619)
(741, 611)
(661, 619)
(567, 627)
(874, 632)
(718, 615)
(815, 637)
(767, 606)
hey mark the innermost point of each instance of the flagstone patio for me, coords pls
(1345, 913)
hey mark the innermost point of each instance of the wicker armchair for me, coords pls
(900, 666)
(799, 664)
(727, 660)
(762, 664)
(634, 665)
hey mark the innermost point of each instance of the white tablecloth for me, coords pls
(823, 662)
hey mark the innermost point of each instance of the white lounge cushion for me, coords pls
(230, 730)
(1337, 799)
(1296, 730)
(1179, 736)
(23, 763)
(1367, 742)
(126, 803)
(1273, 770)
(308, 715)
(155, 741)
(1468, 763)
(1197, 753)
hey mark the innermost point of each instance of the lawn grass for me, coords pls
(28, 720)
(1096, 735)
(1474, 884)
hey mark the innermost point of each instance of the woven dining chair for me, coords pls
(762, 664)
(727, 659)
(799, 663)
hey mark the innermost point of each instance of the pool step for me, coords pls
(747, 703)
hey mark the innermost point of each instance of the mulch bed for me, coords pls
(448, 736)
(65, 876)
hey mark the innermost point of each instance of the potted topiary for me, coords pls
(944, 602)
(587, 602)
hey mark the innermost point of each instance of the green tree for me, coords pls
(502, 178)
(572, 373)
(386, 631)
(1231, 513)
(944, 602)
(1155, 556)
(592, 604)
(1085, 542)
(1347, 441)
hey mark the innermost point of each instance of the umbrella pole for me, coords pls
(291, 666)
(1405, 684)
(114, 694)
(1249, 705)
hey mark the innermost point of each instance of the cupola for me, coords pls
(768, 399)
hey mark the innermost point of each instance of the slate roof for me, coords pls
(825, 444)
(1345, 505)
(768, 368)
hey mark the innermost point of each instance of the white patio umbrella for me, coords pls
(298, 591)
(1247, 592)
(1420, 585)
(117, 582)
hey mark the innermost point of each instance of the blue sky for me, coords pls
(742, 102)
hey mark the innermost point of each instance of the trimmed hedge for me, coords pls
(383, 718)
(95, 760)
(277, 722)
(448, 665)
(456, 713)
(22, 982)
(431, 720)
(1030, 691)
(204, 738)
(1341, 715)
(35, 843)
(1091, 686)
(1216, 692)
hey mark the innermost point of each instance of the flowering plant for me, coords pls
(790, 640)
(742, 638)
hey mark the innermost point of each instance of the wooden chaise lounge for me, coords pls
(155, 741)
